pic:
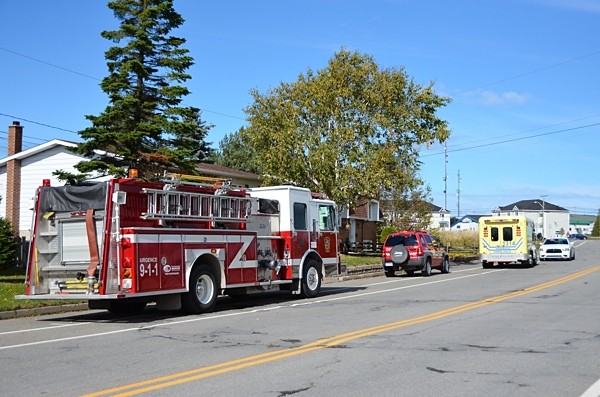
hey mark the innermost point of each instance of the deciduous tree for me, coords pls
(350, 130)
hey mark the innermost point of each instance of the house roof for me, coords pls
(473, 218)
(582, 219)
(531, 205)
(435, 208)
(37, 149)
(219, 170)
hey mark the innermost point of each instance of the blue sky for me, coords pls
(523, 76)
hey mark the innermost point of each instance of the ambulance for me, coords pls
(507, 239)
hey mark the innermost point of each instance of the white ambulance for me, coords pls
(507, 239)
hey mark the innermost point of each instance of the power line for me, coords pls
(50, 64)
(530, 72)
(514, 139)
(38, 123)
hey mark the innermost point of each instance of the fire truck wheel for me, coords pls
(202, 296)
(311, 279)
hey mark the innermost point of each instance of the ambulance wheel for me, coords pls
(487, 265)
(202, 294)
(311, 279)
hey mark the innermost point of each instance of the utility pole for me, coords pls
(458, 196)
(445, 176)
(543, 196)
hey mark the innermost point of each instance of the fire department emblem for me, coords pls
(327, 244)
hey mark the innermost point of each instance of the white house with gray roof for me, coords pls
(550, 219)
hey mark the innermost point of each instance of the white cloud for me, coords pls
(492, 98)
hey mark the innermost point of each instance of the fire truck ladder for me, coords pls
(180, 205)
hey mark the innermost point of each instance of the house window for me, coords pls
(373, 211)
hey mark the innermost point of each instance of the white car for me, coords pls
(557, 248)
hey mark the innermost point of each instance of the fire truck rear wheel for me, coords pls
(202, 296)
(311, 279)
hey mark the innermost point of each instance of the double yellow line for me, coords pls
(234, 365)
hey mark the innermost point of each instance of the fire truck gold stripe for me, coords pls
(234, 365)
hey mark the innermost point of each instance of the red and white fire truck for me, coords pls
(179, 242)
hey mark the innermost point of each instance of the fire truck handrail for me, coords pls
(189, 206)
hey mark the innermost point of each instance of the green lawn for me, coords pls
(12, 282)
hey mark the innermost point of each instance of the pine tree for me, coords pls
(145, 125)
(8, 245)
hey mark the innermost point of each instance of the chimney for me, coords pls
(13, 176)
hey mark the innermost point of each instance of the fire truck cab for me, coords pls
(180, 243)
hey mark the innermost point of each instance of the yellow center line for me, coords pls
(234, 365)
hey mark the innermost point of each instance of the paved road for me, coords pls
(496, 332)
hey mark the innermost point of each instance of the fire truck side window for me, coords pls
(266, 206)
(300, 216)
(494, 234)
(507, 233)
(326, 218)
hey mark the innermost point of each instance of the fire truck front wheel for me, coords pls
(202, 296)
(311, 279)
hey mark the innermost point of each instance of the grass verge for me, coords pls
(12, 282)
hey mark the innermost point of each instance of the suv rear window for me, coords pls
(409, 240)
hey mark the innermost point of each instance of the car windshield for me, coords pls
(556, 241)
(407, 240)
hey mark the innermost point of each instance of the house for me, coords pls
(549, 219)
(23, 171)
(359, 229)
(467, 222)
(440, 217)
(581, 224)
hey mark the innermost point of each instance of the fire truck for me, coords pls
(179, 242)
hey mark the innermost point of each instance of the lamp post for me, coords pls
(543, 196)
(543, 205)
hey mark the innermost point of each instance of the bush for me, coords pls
(386, 231)
(8, 245)
(458, 239)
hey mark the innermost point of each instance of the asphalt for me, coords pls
(356, 272)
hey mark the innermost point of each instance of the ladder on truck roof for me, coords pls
(189, 206)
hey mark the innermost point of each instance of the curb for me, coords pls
(37, 311)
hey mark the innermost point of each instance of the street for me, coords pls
(504, 331)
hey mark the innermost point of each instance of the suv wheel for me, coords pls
(390, 272)
(426, 272)
(446, 265)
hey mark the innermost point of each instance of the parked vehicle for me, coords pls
(557, 248)
(507, 239)
(577, 236)
(177, 242)
(413, 251)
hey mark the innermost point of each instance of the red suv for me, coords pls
(413, 250)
